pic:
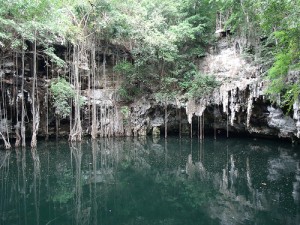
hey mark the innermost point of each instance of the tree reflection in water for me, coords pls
(36, 183)
(139, 181)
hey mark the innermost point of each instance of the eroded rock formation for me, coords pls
(237, 106)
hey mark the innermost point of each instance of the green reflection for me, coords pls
(138, 181)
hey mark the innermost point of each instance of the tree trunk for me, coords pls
(23, 129)
(201, 128)
(104, 68)
(47, 103)
(18, 137)
(166, 120)
(3, 116)
(76, 132)
(57, 120)
(191, 128)
(94, 114)
(35, 102)
(180, 123)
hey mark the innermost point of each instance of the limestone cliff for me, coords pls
(237, 106)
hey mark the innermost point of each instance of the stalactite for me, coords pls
(195, 108)
(190, 109)
(296, 115)
(233, 106)
(249, 108)
(227, 124)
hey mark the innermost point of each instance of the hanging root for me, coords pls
(18, 137)
(35, 124)
(6, 142)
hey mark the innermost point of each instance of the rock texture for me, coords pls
(237, 106)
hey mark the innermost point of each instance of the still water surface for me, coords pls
(141, 181)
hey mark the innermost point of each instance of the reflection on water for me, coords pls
(140, 181)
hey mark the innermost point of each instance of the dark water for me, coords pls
(138, 181)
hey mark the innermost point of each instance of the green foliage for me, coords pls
(62, 92)
(128, 92)
(165, 38)
(53, 57)
(286, 31)
(200, 86)
(291, 95)
(63, 191)
(162, 35)
(126, 69)
(164, 97)
(279, 23)
(125, 111)
(132, 78)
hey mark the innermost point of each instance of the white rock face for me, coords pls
(278, 120)
(236, 77)
(241, 86)
(238, 102)
(296, 116)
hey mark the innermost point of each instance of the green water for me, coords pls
(141, 181)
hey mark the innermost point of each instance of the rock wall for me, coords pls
(237, 106)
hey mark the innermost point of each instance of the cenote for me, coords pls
(146, 181)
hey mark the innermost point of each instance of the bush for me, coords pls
(62, 92)
(200, 86)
